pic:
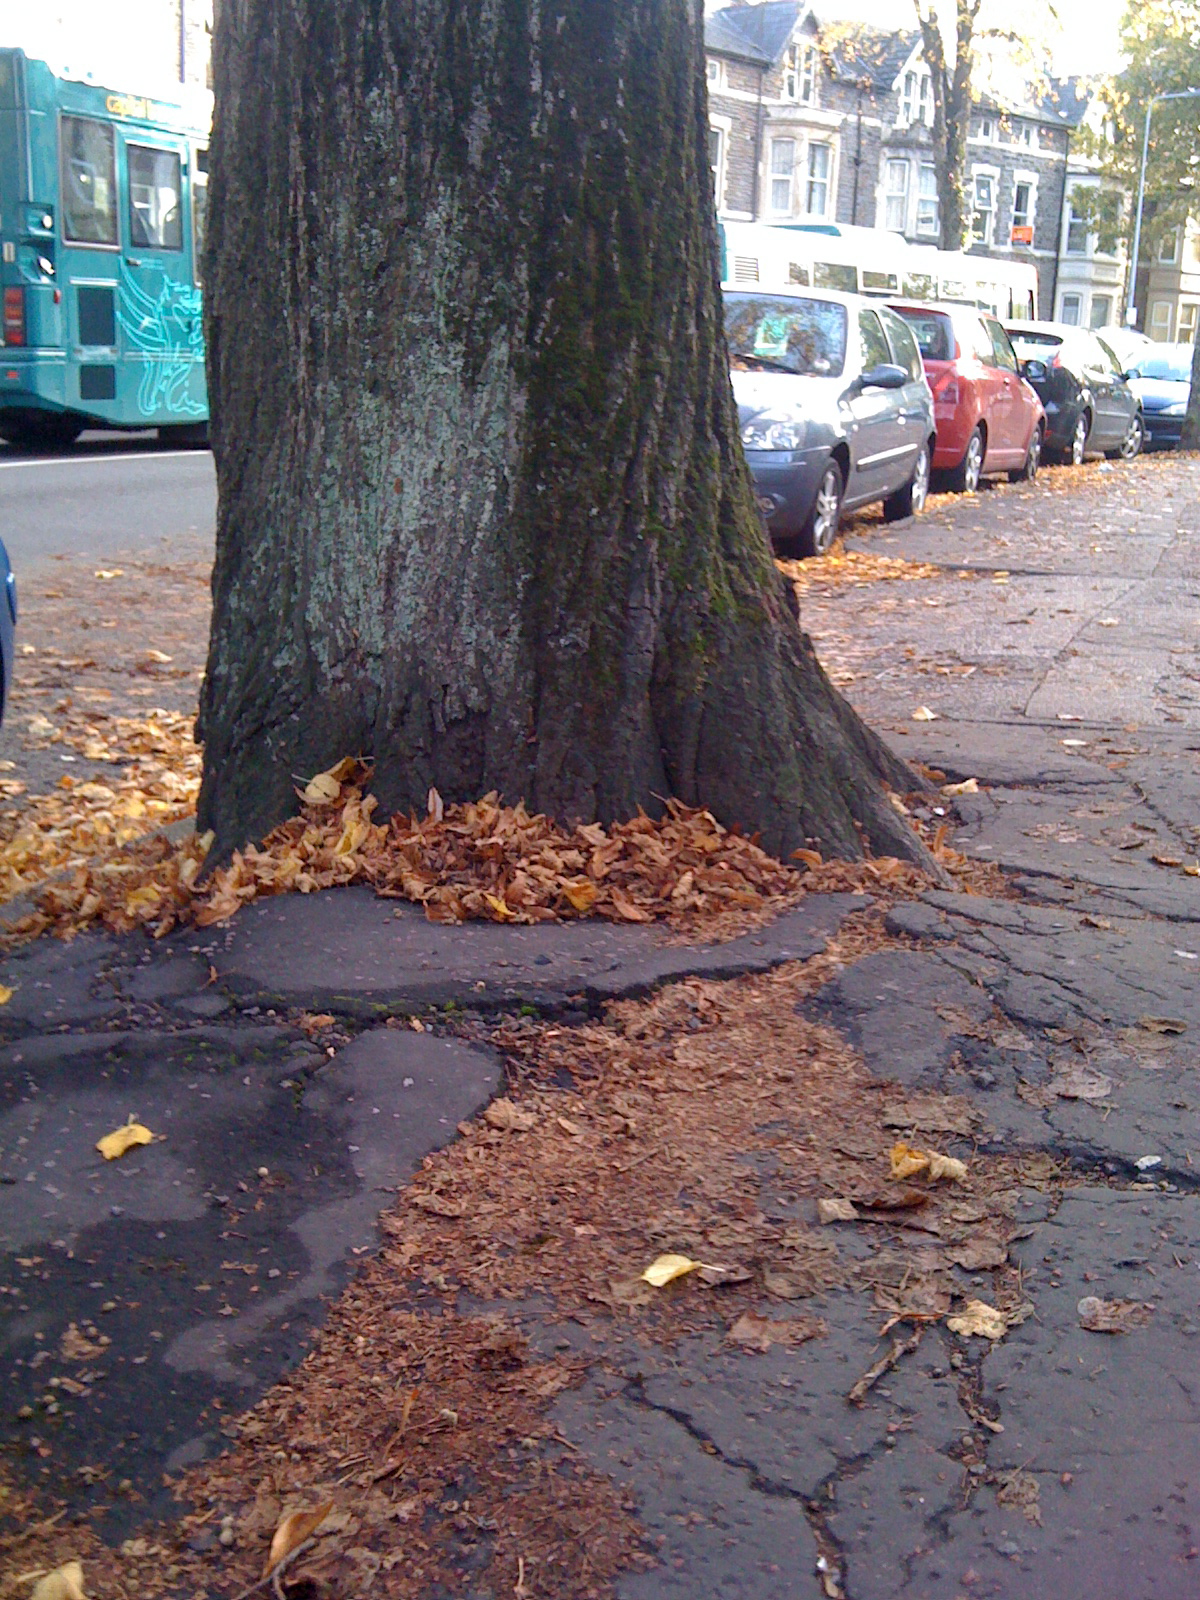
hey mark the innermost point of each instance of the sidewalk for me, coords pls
(495, 1401)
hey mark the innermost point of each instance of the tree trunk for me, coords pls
(951, 83)
(483, 514)
(1190, 439)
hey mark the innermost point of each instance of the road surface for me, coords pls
(108, 497)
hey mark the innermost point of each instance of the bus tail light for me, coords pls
(14, 316)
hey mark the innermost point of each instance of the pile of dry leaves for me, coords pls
(853, 569)
(482, 861)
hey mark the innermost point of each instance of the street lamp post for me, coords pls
(1173, 94)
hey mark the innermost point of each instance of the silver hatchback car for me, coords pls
(833, 408)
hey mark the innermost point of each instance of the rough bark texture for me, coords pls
(483, 513)
(951, 82)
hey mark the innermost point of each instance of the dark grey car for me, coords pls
(833, 407)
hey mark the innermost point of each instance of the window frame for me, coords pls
(722, 127)
(1029, 181)
(1071, 322)
(916, 97)
(1105, 300)
(892, 195)
(1168, 324)
(115, 209)
(811, 181)
(714, 73)
(1075, 220)
(776, 176)
(1171, 260)
(992, 176)
(800, 77)
(156, 150)
(926, 199)
(1185, 332)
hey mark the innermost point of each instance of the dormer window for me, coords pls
(916, 98)
(987, 128)
(714, 71)
(800, 73)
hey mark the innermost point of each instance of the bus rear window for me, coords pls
(155, 216)
(89, 182)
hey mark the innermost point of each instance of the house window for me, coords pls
(716, 160)
(1027, 135)
(800, 74)
(916, 98)
(820, 159)
(783, 162)
(1022, 213)
(714, 71)
(1160, 320)
(1186, 332)
(987, 128)
(1101, 312)
(928, 219)
(985, 208)
(1168, 250)
(1071, 307)
(1077, 233)
(897, 195)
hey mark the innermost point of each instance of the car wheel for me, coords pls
(910, 501)
(966, 475)
(1131, 444)
(820, 530)
(1077, 450)
(1033, 460)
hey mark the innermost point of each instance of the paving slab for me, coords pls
(186, 1278)
(348, 951)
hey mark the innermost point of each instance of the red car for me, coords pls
(988, 419)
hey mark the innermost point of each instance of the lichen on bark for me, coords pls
(483, 514)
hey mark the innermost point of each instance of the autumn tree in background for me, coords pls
(483, 513)
(1160, 42)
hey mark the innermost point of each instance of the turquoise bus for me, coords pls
(102, 202)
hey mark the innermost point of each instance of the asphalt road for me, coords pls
(109, 496)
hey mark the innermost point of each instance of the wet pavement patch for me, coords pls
(147, 1298)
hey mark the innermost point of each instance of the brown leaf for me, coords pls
(292, 1532)
(503, 1114)
(1162, 1025)
(758, 1333)
(64, 1583)
(1112, 1316)
(1019, 1489)
(836, 1210)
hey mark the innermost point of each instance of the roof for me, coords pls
(858, 53)
(1059, 101)
(758, 33)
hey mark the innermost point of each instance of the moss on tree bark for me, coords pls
(483, 513)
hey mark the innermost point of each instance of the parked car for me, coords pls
(8, 622)
(988, 418)
(1161, 377)
(833, 407)
(1127, 344)
(1089, 405)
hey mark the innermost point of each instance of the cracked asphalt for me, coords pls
(1062, 671)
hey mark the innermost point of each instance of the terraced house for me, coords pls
(816, 120)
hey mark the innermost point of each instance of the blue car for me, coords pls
(8, 620)
(1161, 377)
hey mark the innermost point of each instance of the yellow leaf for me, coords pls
(667, 1268)
(106, 574)
(907, 1162)
(5, 994)
(64, 1583)
(498, 906)
(967, 786)
(946, 1167)
(157, 655)
(810, 858)
(581, 892)
(923, 714)
(115, 1144)
(980, 1319)
(1193, 869)
(322, 790)
(292, 1532)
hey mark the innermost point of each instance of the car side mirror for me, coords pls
(1034, 371)
(885, 376)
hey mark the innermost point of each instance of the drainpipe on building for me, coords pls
(857, 162)
(183, 41)
(758, 137)
(1062, 213)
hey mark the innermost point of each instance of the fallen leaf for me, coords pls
(1019, 1490)
(64, 1583)
(835, 1210)
(435, 806)
(295, 1529)
(979, 1319)
(907, 1163)
(1166, 861)
(1162, 1025)
(1110, 622)
(1092, 921)
(1073, 744)
(6, 994)
(967, 786)
(121, 1140)
(717, 1277)
(1112, 1316)
(948, 1167)
(1193, 869)
(667, 1268)
(755, 1332)
(581, 893)
(977, 1255)
(106, 574)
(503, 1114)
(322, 790)
(157, 655)
(1079, 1082)
(924, 714)
(783, 1286)
(810, 858)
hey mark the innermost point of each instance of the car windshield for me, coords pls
(1032, 346)
(807, 337)
(934, 333)
(1173, 365)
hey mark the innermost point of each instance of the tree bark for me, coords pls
(951, 112)
(483, 514)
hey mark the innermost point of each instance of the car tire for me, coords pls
(964, 479)
(1033, 460)
(910, 500)
(821, 526)
(1076, 452)
(1134, 441)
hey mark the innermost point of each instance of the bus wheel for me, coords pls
(52, 431)
(185, 435)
